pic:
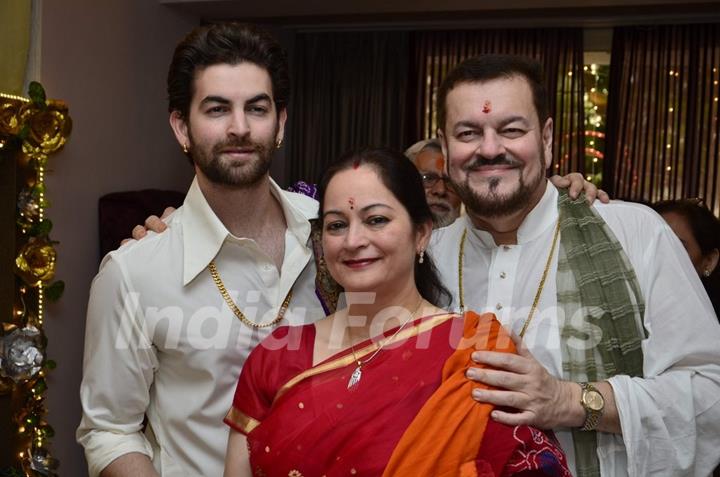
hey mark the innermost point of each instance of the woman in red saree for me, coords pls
(385, 395)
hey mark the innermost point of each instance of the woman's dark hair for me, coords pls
(225, 43)
(402, 179)
(705, 228)
(704, 225)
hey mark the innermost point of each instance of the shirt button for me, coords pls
(503, 275)
(498, 306)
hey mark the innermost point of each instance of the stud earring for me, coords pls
(707, 272)
(422, 256)
(185, 148)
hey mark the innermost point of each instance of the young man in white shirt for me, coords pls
(631, 384)
(161, 340)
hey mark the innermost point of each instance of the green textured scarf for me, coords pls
(598, 291)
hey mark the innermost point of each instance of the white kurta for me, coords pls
(160, 341)
(670, 418)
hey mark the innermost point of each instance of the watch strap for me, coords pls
(592, 416)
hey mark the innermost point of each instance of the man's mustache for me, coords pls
(237, 144)
(444, 205)
(500, 160)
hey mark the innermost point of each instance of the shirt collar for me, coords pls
(204, 234)
(542, 216)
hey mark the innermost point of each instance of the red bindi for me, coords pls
(440, 163)
(356, 164)
(351, 201)
(487, 107)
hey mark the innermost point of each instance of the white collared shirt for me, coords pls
(161, 342)
(670, 419)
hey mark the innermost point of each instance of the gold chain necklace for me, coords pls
(357, 374)
(529, 318)
(226, 296)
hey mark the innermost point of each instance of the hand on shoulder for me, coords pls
(152, 224)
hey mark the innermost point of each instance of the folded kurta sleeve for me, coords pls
(670, 418)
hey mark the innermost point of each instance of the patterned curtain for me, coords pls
(663, 131)
(559, 50)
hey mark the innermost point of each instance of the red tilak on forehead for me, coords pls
(351, 201)
(487, 107)
(356, 164)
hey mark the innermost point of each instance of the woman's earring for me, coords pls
(278, 143)
(185, 148)
(422, 256)
(707, 272)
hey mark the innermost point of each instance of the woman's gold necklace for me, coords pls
(533, 308)
(357, 374)
(236, 310)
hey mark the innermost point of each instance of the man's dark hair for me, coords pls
(225, 43)
(490, 67)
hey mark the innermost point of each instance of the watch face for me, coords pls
(594, 400)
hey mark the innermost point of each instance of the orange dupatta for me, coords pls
(445, 436)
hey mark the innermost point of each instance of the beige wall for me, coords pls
(108, 59)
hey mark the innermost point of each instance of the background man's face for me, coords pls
(443, 201)
(233, 125)
(496, 147)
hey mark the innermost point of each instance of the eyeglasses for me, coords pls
(429, 179)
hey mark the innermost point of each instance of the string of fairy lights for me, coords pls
(31, 129)
(595, 104)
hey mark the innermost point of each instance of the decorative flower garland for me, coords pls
(30, 130)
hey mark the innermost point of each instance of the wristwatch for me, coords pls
(593, 403)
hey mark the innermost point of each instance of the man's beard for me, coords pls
(222, 172)
(443, 219)
(492, 204)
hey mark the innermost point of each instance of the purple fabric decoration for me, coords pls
(302, 187)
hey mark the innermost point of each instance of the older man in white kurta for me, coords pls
(497, 136)
(670, 419)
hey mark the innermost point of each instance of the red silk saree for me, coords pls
(410, 414)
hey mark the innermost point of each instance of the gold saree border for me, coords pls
(349, 359)
(241, 421)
